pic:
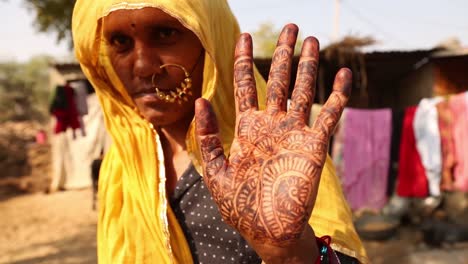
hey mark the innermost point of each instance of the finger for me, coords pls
(304, 89)
(207, 134)
(280, 72)
(244, 81)
(332, 109)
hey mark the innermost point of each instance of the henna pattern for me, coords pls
(266, 189)
(278, 80)
(252, 126)
(286, 182)
(303, 92)
(246, 93)
(244, 79)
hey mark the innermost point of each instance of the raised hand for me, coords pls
(267, 187)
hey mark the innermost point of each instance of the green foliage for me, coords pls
(265, 39)
(24, 90)
(53, 16)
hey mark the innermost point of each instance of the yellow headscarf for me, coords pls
(135, 223)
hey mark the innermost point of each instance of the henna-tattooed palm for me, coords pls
(267, 187)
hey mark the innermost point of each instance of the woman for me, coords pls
(149, 61)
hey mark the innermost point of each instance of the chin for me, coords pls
(162, 114)
(161, 119)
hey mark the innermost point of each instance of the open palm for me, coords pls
(267, 187)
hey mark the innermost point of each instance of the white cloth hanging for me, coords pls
(427, 135)
(72, 156)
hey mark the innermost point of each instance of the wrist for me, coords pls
(325, 251)
(304, 250)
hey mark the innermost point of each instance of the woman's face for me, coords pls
(142, 40)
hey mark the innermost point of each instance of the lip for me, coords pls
(148, 95)
(148, 90)
(144, 92)
(147, 98)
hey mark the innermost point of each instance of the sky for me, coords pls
(395, 24)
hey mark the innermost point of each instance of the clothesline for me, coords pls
(418, 152)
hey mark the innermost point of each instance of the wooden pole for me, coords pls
(336, 21)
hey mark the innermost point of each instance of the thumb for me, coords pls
(207, 134)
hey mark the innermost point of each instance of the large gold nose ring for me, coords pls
(181, 93)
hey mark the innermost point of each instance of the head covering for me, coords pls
(135, 224)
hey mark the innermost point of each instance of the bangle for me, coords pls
(325, 251)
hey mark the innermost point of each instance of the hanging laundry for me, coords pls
(445, 120)
(81, 98)
(466, 99)
(412, 180)
(426, 133)
(459, 110)
(366, 156)
(59, 100)
(397, 124)
(337, 145)
(63, 107)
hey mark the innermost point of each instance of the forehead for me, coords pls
(147, 16)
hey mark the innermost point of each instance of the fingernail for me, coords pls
(345, 77)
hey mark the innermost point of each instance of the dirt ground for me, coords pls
(60, 228)
(406, 248)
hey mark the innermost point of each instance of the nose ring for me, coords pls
(181, 93)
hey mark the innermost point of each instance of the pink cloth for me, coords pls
(445, 119)
(459, 109)
(366, 155)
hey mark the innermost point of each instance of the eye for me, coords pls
(166, 32)
(166, 35)
(120, 42)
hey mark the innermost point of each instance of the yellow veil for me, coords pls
(136, 225)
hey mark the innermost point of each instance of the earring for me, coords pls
(180, 93)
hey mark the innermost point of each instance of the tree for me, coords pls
(24, 92)
(265, 38)
(53, 16)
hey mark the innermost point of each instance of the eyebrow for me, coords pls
(164, 23)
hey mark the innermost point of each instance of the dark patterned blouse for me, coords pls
(210, 239)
